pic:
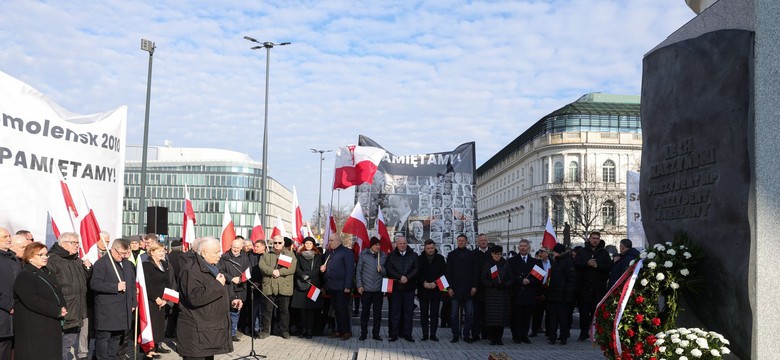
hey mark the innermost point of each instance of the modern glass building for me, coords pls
(215, 178)
(569, 166)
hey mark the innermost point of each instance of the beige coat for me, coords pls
(283, 285)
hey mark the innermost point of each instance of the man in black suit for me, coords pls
(113, 283)
(523, 292)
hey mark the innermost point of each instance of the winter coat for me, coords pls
(10, 267)
(156, 281)
(231, 270)
(113, 309)
(496, 292)
(562, 280)
(203, 328)
(592, 283)
(524, 294)
(73, 277)
(37, 310)
(403, 265)
(283, 285)
(307, 273)
(366, 275)
(430, 271)
(621, 265)
(460, 272)
(340, 269)
(480, 259)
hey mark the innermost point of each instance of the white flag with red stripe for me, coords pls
(549, 240)
(442, 283)
(356, 225)
(297, 220)
(494, 272)
(385, 244)
(257, 230)
(246, 275)
(314, 293)
(284, 260)
(171, 295)
(538, 272)
(278, 229)
(188, 224)
(387, 285)
(90, 234)
(145, 337)
(356, 165)
(228, 230)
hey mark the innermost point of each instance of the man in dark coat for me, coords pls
(233, 263)
(593, 264)
(339, 271)
(560, 294)
(524, 291)
(432, 267)
(258, 301)
(72, 274)
(622, 261)
(463, 286)
(174, 261)
(113, 283)
(481, 257)
(204, 320)
(403, 269)
(9, 268)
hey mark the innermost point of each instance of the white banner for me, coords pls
(37, 137)
(635, 230)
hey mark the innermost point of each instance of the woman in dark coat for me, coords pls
(39, 308)
(307, 274)
(497, 285)
(158, 276)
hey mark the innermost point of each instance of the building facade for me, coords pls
(570, 166)
(215, 178)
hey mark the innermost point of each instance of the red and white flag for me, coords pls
(314, 293)
(385, 244)
(171, 295)
(387, 285)
(246, 275)
(278, 229)
(442, 283)
(257, 230)
(356, 225)
(188, 224)
(297, 220)
(494, 272)
(356, 165)
(228, 230)
(549, 240)
(67, 196)
(284, 260)
(330, 227)
(538, 272)
(145, 337)
(90, 234)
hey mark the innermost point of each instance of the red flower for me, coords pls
(650, 339)
(656, 322)
(599, 329)
(639, 318)
(639, 299)
(605, 315)
(630, 333)
(655, 349)
(653, 358)
(638, 350)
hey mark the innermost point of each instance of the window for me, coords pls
(531, 176)
(574, 171)
(558, 176)
(558, 209)
(575, 214)
(608, 171)
(531, 215)
(608, 212)
(546, 174)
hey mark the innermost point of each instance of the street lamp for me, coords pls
(148, 46)
(319, 208)
(267, 45)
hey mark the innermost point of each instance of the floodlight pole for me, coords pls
(148, 46)
(319, 208)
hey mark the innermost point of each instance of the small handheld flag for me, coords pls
(314, 293)
(171, 295)
(246, 275)
(442, 283)
(387, 285)
(538, 272)
(284, 260)
(494, 272)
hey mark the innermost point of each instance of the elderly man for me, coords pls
(9, 268)
(402, 267)
(233, 263)
(461, 274)
(339, 268)
(18, 243)
(27, 235)
(278, 286)
(524, 291)
(481, 256)
(72, 274)
(204, 304)
(368, 275)
(113, 283)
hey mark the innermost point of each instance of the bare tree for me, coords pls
(592, 202)
(339, 216)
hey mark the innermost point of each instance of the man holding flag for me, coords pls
(432, 268)
(524, 291)
(368, 275)
(278, 268)
(339, 269)
(233, 263)
(113, 283)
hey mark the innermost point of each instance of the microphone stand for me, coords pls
(252, 353)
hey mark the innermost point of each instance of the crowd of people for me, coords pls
(54, 304)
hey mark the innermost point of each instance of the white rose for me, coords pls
(643, 282)
(684, 331)
(687, 255)
(668, 264)
(660, 335)
(684, 343)
(631, 262)
(660, 276)
(662, 248)
(725, 341)
(669, 243)
(651, 255)
(691, 336)
(642, 255)
(657, 246)
(675, 340)
(715, 353)
(671, 252)
(725, 350)
(662, 349)
(684, 272)
(673, 331)
(675, 336)
(651, 265)
(683, 357)
(682, 247)
(702, 342)
(674, 285)
(678, 351)
(696, 353)
(659, 341)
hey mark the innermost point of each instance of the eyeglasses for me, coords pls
(71, 242)
(278, 243)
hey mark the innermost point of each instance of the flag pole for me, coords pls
(135, 338)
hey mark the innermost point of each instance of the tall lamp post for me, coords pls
(319, 208)
(508, 225)
(148, 46)
(267, 46)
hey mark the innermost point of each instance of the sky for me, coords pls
(416, 77)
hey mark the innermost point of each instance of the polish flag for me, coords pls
(67, 197)
(549, 239)
(145, 337)
(228, 230)
(386, 246)
(90, 234)
(278, 229)
(188, 224)
(387, 285)
(171, 295)
(330, 227)
(246, 275)
(538, 272)
(257, 230)
(494, 272)
(284, 260)
(55, 230)
(356, 225)
(297, 218)
(314, 293)
(442, 283)
(356, 165)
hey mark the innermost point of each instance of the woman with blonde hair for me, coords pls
(158, 276)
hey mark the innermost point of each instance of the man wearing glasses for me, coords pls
(113, 283)
(278, 286)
